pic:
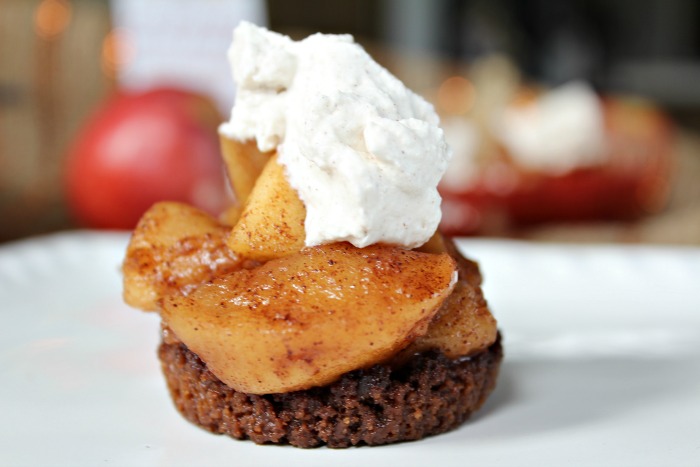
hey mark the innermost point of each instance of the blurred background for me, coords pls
(570, 121)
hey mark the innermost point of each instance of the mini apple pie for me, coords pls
(270, 338)
(334, 345)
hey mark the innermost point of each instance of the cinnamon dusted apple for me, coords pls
(464, 324)
(271, 224)
(289, 323)
(303, 320)
(174, 247)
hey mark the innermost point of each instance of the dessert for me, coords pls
(560, 155)
(324, 308)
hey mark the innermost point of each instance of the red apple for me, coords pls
(140, 148)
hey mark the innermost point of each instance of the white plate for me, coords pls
(602, 365)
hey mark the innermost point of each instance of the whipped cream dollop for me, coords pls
(364, 153)
(562, 130)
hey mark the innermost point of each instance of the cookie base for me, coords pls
(429, 394)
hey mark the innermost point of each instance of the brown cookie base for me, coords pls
(430, 394)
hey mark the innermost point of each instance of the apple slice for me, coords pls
(272, 222)
(244, 162)
(174, 247)
(305, 319)
(231, 215)
(464, 324)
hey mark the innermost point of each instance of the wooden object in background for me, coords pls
(50, 80)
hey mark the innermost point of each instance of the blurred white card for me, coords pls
(182, 43)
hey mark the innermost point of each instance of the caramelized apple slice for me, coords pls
(303, 320)
(231, 215)
(244, 162)
(174, 247)
(435, 244)
(463, 325)
(272, 222)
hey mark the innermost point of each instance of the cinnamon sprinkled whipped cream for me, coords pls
(364, 153)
